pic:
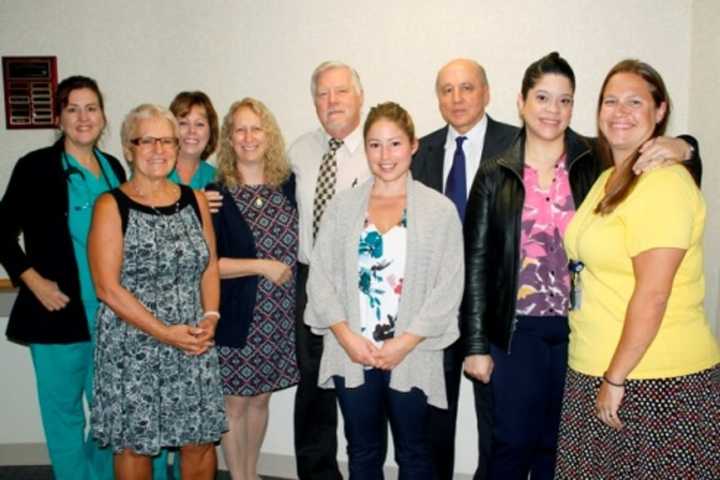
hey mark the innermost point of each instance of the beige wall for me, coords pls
(147, 51)
(704, 108)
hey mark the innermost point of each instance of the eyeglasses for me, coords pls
(149, 143)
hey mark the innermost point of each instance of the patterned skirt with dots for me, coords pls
(671, 430)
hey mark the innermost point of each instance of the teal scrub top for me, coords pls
(204, 174)
(83, 189)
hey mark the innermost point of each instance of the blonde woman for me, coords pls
(257, 237)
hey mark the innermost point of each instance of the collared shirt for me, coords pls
(305, 156)
(473, 148)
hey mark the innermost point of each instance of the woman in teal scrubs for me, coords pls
(198, 139)
(49, 199)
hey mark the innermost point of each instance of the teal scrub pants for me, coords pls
(64, 375)
(160, 465)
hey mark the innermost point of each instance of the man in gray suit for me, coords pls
(469, 137)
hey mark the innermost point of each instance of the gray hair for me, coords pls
(329, 65)
(144, 112)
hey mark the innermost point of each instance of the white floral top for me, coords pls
(381, 263)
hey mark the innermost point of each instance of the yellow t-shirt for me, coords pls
(665, 209)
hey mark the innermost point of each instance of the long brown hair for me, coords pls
(623, 182)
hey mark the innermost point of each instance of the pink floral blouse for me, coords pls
(544, 280)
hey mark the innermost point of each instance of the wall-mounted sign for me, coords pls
(30, 84)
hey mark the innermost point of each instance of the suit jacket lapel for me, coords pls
(436, 158)
(492, 146)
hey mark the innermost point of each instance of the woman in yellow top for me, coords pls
(642, 357)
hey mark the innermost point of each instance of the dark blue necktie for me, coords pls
(456, 186)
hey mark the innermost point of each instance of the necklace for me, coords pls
(257, 195)
(144, 195)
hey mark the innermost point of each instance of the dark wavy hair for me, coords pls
(76, 82)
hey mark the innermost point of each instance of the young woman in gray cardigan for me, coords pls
(385, 285)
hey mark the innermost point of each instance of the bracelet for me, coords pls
(609, 382)
(211, 313)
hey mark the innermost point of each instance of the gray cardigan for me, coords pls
(432, 288)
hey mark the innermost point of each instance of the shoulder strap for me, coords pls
(123, 206)
(187, 196)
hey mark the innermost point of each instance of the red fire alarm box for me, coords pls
(30, 84)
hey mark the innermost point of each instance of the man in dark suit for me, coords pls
(448, 159)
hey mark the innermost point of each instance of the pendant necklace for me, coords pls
(141, 194)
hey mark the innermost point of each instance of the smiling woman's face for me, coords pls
(82, 119)
(157, 159)
(249, 139)
(194, 132)
(628, 113)
(389, 151)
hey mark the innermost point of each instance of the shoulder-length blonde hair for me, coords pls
(277, 167)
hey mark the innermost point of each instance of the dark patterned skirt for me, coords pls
(672, 430)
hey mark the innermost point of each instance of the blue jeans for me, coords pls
(366, 411)
(527, 387)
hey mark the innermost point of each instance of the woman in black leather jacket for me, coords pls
(514, 318)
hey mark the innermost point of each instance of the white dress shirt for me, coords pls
(473, 148)
(305, 155)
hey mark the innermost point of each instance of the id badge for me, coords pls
(576, 295)
(575, 268)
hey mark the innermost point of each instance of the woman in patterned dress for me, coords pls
(384, 288)
(157, 382)
(643, 360)
(257, 249)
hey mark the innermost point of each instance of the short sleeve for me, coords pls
(661, 211)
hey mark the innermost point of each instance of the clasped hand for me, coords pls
(193, 340)
(363, 351)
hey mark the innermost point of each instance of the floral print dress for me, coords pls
(147, 394)
(381, 264)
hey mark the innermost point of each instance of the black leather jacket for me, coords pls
(492, 235)
(492, 238)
